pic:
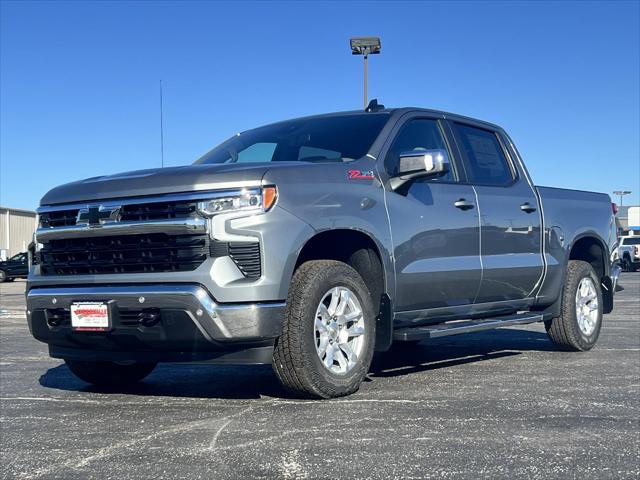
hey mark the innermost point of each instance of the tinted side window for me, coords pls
(485, 160)
(420, 134)
(20, 257)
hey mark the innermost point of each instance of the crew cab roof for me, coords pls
(399, 111)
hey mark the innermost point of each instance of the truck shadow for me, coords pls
(248, 382)
(405, 359)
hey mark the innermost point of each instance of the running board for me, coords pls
(464, 326)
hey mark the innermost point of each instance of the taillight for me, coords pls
(614, 208)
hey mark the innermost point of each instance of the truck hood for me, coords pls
(159, 181)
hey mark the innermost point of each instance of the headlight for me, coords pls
(254, 199)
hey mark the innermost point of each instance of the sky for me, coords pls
(79, 81)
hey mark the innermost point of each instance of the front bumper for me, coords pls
(153, 322)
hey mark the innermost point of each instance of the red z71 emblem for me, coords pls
(360, 175)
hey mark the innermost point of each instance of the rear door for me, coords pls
(510, 221)
(436, 243)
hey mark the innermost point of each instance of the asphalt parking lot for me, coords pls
(496, 404)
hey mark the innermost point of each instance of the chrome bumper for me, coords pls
(216, 323)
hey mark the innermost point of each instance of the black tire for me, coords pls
(3, 276)
(626, 264)
(564, 331)
(110, 374)
(295, 360)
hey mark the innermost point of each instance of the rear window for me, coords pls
(334, 138)
(631, 241)
(485, 160)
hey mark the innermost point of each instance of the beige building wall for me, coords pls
(16, 229)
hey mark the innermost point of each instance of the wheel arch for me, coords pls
(359, 250)
(590, 248)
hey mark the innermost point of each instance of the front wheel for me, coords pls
(110, 374)
(578, 326)
(3, 276)
(327, 341)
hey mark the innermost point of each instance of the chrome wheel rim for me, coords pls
(587, 306)
(339, 330)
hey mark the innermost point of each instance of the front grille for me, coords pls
(133, 212)
(157, 252)
(157, 211)
(61, 218)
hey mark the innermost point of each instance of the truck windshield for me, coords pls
(335, 138)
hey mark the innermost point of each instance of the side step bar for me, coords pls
(464, 326)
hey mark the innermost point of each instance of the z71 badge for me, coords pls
(360, 175)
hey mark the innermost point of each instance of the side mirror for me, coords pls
(420, 163)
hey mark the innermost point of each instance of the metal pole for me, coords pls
(8, 233)
(366, 71)
(161, 130)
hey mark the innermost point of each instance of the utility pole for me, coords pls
(365, 46)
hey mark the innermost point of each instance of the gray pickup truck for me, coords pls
(312, 243)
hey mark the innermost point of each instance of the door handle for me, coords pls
(526, 207)
(462, 204)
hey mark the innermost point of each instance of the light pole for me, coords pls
(365, 46)
(622, 193)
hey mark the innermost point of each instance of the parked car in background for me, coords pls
(15, 267)
(311, 243)
(629, 253)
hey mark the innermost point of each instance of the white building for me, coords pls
(16, 230)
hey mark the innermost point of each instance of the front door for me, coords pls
(436, 243)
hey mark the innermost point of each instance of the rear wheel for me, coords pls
(110, 374)
(579, 325)
(327, 342)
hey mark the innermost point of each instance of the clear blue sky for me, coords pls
(79, 80)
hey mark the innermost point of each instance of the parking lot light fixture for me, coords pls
(622, 193)
(365, 46)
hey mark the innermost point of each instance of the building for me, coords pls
(16, 230)
(628, 219)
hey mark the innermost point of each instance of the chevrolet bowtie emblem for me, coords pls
(98, 215)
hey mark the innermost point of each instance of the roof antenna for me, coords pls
(374, 106)
(161, 130)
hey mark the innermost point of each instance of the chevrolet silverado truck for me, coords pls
(629, 253)
(312, 243)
